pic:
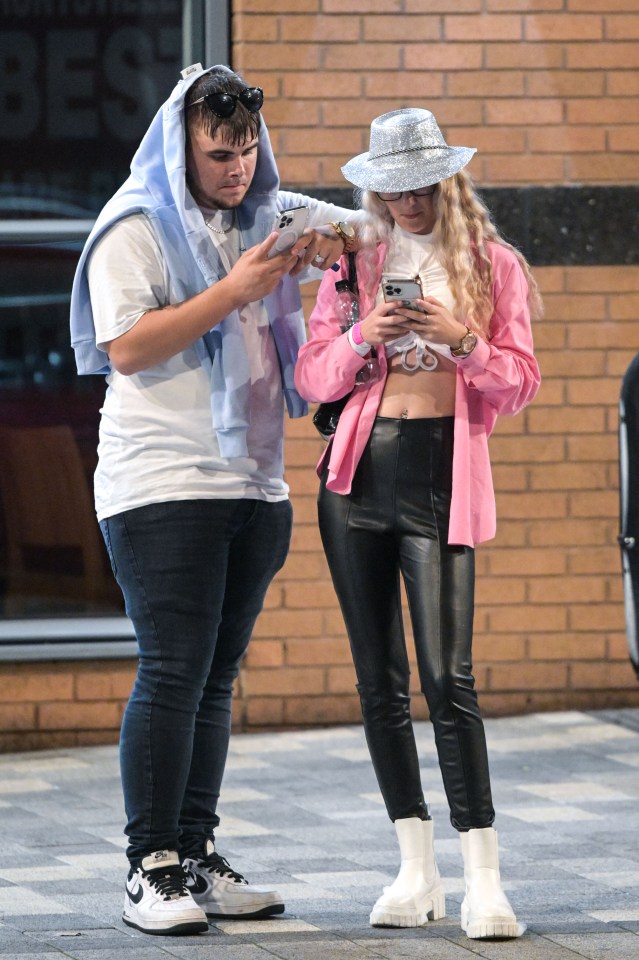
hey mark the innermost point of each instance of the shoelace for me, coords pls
(214, 863)
(170, 883)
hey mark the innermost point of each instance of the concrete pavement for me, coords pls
(302, 811)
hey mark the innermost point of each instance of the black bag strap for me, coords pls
(352, 273)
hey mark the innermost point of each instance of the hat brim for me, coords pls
(408, 170)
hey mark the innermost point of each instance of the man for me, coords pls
(178, 300)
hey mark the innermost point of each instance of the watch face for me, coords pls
(347, 228)
(468, 342)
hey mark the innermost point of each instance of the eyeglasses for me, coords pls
(420, 192)
(223, 104)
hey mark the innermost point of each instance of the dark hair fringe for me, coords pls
(239, 127)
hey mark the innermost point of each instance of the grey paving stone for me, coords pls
(328, 842)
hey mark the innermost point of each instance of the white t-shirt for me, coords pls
(413, 255)
(157, 441)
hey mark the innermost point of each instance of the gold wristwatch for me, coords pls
(346, 233)
(466, 345)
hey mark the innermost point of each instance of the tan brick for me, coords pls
(602, 279)
(17, 716)
(531, 169)
(486, 27)
(600, 560)
(590, 420)
(490, 648)
(509, 477)
(562, 646)
(300, 711)
(283, 114)
(523, 56)
(602, 616)
(404, 84)
(622, 83)
(529, 676)
(303, 596)
(402, 29)
(493, 591)
(566, 589)
(283, 6)
(383, 56)
(567, 140)
(586, 56)
(486, 83)
(29, 683)
(570, 532)
(534, 450)
(490, 139)
(341, 680)
(603, 167)
(282, 623)
(265, 653)
(568, 477)
(528, 562)
(622, 27)
(321, 29)
(284, 681)
(78, 716)
(539, 505)
(611, 675)
(321, 84)
(265, 712)
(362, 6)
(533, 618)
(525, 6)
(604, 110)
(255, 29)
(569, 26)
(113, 683)
(539, 111)
(317, 650)
(448, 57)
(444, 6)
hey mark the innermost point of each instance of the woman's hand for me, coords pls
(384, 324)
(436, 323)
(317, 250)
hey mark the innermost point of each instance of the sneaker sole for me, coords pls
(178, 929)
(247, 914)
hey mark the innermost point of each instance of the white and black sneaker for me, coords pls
(157, 900)
(222, 892)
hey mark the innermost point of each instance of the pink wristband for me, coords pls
(356, 333)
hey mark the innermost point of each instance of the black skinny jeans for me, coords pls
(395, 520)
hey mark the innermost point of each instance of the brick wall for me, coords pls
(548, 90)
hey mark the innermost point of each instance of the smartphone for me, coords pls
(289, 225)
(403, 288)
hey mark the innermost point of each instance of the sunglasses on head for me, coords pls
(420, 192)
(223, 104)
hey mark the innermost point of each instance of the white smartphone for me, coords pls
(404, 289)
(290, 226)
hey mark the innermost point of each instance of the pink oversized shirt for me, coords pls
(500, 376)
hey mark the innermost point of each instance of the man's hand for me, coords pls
(255, 275)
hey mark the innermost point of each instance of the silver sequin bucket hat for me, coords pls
(407, 151)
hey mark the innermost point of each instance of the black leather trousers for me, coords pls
(395, 521)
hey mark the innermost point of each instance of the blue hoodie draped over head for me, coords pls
(157, 188)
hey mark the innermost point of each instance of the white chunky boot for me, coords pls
(485, 911)
(416, 895)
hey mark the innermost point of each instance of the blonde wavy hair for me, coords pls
(462, 229)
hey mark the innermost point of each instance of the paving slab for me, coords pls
(301, 811)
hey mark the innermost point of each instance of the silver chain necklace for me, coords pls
(220, 230)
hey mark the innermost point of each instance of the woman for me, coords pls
(406, 484)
